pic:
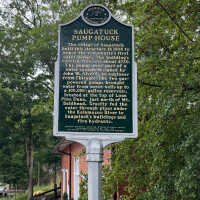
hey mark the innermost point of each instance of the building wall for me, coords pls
(76, 150)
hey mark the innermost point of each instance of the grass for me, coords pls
(43, 188)
(18, 197)
(24, 196)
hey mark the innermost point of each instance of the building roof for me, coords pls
(59, 148)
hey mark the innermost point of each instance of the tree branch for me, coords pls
(173, 20)
(37, 13)
(188, 88)
(18, 7)
(150, 84)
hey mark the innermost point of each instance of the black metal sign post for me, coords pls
(95, 100)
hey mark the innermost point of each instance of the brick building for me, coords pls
(73, 162)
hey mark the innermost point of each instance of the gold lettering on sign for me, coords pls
(96, 77)
(95, 35)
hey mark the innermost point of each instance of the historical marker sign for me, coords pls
(95, 77)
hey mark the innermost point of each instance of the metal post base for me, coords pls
(94, 159)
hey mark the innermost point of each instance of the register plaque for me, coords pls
(95, 92)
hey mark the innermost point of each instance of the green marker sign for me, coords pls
(95, 76)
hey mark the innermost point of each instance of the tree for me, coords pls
(27, 63)
(12, 155)
(162, 162)
(28, 53)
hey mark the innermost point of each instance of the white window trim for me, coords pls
(76, 177)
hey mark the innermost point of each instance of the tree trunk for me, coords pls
(38, 179)
(29, 153)
(30, 167)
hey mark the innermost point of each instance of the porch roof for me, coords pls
(59, 148)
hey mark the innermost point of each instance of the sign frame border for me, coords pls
(79, 136)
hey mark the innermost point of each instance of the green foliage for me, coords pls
(108, 188)
(18, 197)
(83, 187)
(22, 196)
(12, 156)
(65, 196)
(28, 53)
(163, 162)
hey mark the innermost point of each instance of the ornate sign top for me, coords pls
(96, 15)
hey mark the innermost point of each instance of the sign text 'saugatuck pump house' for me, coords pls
(95, 77)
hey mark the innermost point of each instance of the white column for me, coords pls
(63, 173)
(76, 178)
(67, 175)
